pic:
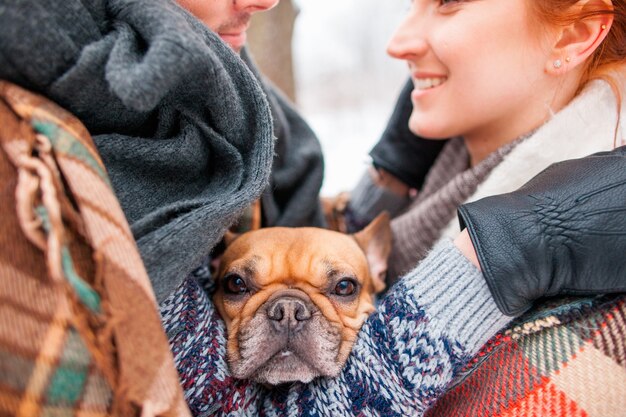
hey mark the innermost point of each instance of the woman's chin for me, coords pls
(423, 130)
(421, 124)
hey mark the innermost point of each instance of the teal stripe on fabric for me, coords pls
(70, 378)
(66, 386)
(65, 143)
(86, 294)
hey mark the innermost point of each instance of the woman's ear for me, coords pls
(577, 41)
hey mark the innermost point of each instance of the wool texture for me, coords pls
(80, 333)
(180, 122)
(425, 330)
(449, 183)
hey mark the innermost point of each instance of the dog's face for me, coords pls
(294, 299)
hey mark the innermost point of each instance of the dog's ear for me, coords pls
(375, 240)
(229, 237)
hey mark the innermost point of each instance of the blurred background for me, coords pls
(329, 57)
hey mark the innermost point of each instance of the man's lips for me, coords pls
(236, 39)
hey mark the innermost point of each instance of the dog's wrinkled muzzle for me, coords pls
(288, 339)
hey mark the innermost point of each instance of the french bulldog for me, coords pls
(294, 299)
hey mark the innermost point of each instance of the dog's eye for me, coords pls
(345, 287)
(234, 284)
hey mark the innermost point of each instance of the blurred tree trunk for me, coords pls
(269, 41)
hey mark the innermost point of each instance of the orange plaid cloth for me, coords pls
(566, 360)
(79, 329)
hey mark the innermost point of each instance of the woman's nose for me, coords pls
(408, 41)
(252, 6)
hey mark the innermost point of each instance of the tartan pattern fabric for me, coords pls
(79, 329)
(565, 360)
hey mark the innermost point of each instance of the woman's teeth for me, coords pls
(426, 83)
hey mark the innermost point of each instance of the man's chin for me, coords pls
(236, 48)
(236, 42)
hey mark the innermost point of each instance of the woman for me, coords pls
(513, 100)
(517, 86)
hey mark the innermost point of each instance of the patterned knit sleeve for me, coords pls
(423, 333)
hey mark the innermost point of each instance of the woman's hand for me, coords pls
(465, 246)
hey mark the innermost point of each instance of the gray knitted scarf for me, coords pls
(450, 182)
(179, 120)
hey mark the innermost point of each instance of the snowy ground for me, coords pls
(346, 84)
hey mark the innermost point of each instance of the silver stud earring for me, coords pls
(557, 64)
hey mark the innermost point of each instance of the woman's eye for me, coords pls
(448, 2)
(346, 287)
(234, 284)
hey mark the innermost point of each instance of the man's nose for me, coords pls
(288, 314)
(253, 6)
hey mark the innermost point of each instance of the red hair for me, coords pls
(610, 56)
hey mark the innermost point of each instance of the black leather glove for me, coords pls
(562, 233)
(400, 152)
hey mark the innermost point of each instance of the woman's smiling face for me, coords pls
(478, 67)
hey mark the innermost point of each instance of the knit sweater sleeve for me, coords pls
(422, 334)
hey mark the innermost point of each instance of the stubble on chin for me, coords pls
(238, 21)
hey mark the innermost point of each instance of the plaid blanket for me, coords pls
(567, 359)
(79, 329)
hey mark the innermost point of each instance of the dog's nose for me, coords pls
(288, 313)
